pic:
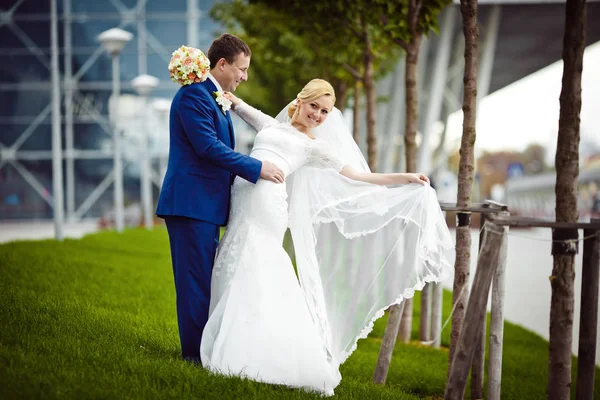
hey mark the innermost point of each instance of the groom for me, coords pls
(194, 199)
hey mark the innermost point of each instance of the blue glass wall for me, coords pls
(25, 51)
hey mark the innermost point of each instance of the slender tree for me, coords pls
(348, 31)
(412, 48)
(285, 55)
(356, 110)
(369, 82)
(466, 169)
(406, 23)
(567, 170)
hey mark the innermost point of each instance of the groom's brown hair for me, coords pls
(227, 46)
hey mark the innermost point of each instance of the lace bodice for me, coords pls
(284, 145)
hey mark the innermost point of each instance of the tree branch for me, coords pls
(397, 41)
(355, 74)
(400, 43)
(418, 6)
(349, 25)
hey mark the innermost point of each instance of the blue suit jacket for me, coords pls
(202, 163)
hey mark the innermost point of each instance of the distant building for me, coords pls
(533, 196)
(25, 121)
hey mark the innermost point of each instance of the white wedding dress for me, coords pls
(269, 325)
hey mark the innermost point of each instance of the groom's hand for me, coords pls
(271, 172)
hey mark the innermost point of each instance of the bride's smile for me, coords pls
(313, 113)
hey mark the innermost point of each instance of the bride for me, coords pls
(359, 246)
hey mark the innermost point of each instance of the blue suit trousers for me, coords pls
(193, 247)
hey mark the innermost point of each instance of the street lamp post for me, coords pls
(57, 178)
(113, 41)
(143, 85)
(163, 107)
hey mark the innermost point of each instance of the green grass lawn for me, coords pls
(95, 318)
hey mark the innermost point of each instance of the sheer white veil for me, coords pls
(336, 133)
(359, 247)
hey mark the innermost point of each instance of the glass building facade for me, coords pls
(158, 27)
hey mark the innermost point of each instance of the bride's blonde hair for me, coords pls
(311, 91)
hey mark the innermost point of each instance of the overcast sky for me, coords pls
(527, 111)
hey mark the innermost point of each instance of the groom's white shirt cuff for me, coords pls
(213, 80)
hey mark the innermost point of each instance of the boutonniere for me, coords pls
(224, 102)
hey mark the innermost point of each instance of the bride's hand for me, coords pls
(421, 179)
(231, 97)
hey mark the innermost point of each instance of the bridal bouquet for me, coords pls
(188, 65)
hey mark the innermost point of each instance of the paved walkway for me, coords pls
(42, 229)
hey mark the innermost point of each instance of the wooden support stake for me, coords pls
(588, 320)
(497, 322)
(387, 344)
(486, 266)
(478, 366)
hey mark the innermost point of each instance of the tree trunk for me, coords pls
(341, 93)
(405, 329)
(410, 144)
(567, 170)
(412, 104)
(369, 81)
(466, 168)
(356, 112)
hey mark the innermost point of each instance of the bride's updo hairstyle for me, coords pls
(312, 91)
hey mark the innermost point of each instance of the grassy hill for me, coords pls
(95, 318)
